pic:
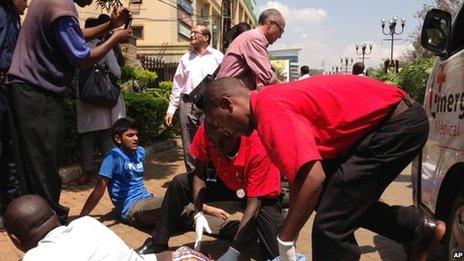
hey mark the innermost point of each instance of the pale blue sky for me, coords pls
(329, 29)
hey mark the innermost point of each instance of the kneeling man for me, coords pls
(242, 170)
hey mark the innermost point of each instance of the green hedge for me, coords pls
(147, 108)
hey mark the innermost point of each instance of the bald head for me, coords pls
(226, 105)
(358, 68)
(28, 219)
(223, 87)
(270, 14)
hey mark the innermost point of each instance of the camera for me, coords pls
(128, 24)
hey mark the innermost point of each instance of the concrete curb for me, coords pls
(71, 172)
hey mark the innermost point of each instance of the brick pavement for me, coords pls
(162, 166)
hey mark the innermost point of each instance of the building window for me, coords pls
(136, 1)
(137, 32)
(186, 5)
(184, 30)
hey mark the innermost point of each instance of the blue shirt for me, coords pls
(71, 39)
(125, 174)
(9, 31)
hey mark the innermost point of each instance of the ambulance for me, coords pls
(438, 172)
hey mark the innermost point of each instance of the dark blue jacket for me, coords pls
(10, 24)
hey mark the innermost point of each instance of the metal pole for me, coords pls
(391, 50)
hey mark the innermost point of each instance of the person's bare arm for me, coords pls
(304, 194)
(118, 18)
(95, 196)
(97, 53)
(247, 224)
(199, 185)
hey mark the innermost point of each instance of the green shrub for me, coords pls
(163, 90)
(127, 73)
(149, 113)
(143, 78)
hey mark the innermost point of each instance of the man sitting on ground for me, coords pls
(243, 169)
(122, 172)
(34, 228)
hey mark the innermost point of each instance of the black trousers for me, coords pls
(11, 179)
(179, 194)
(355, 183)
(39, 123)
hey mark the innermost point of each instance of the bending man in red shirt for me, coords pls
(243, 172)
(340, 141)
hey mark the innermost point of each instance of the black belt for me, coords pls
(405, 103)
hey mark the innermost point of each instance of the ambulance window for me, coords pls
(457, 35)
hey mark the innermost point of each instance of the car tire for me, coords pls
(454, 241)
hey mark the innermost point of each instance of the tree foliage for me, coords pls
(314, 71)
(417, 64)
(109, 4)
(412, 77)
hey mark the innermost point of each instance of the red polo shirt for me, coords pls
(320, 117)
(251, 170)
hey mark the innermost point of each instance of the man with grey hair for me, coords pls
(194, 65)
(247, 59)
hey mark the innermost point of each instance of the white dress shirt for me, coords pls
(192, 68)
(304, 76)
(83, 239)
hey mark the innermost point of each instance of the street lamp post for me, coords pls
(363, 50)
(392, 32)
(334, 69)
(346, 62)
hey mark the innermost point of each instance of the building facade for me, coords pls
(162, 27)
(288, 60)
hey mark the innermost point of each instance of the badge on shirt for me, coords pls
(240, 193)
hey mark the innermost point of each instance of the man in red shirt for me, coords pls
(340, 141)
(242, 169)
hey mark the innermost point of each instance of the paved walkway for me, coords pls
(163, 166)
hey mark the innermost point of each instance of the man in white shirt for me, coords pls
(34, 228)
(197, 63)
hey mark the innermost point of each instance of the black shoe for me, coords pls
(427, 234)
(150, 247)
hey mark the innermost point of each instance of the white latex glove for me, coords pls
(287, 250)
(201, 224)
(232, 254)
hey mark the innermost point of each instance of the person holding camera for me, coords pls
(94, 121)
(50, 45)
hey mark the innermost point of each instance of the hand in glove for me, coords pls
(232, 254)
(201, 224)
(287, 250)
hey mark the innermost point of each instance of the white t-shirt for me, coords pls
(83, 239)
